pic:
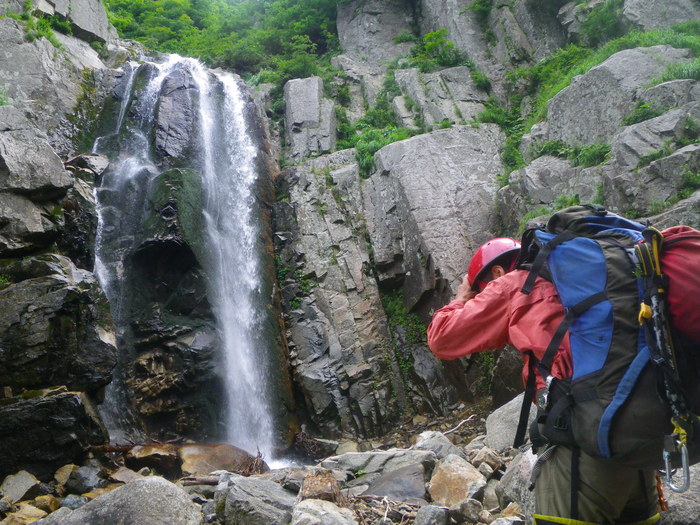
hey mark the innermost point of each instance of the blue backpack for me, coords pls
(628, 392)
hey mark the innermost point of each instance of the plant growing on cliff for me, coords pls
(643, 111)
(433, 51)
(604, 23)
(4, 101)
(586, 156)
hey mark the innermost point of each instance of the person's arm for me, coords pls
(471, 323)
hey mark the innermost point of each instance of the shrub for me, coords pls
(434, 51)
(604, 23)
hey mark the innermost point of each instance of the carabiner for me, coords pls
(686, 470)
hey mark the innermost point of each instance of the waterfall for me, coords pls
(233, 265)
(226, 160)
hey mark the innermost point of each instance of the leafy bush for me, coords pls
(434, 51)
(691, 183)
(482, 9)
(604, 23)
(41, 28)
(405, 36)
(511, 124)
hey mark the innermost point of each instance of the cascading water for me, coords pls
(226, 159)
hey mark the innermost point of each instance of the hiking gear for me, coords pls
(604, 491)
(486, 256)
(610, 407)
(681, 246)
(663, 504)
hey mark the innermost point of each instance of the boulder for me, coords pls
(515, 483)
(309, 119)
(26, 513)
(25, 226)
(85, 479)
(320, 512)
(19, 487)
(42, 433)
(432, 515)
(292, 478)
(672, 94)
(150, 501)
(321, 484)
(502, 424)
(406, 484)
(590, 110)
(250, 501)
(455, 481)
(61, 314)
(161, 458)
(383, 462)
(201, 459)
(438, 443)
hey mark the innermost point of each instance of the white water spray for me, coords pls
(233, 257)
(227, 165)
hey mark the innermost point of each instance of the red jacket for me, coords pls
(502, 315)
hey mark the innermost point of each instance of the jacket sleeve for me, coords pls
(460, 329)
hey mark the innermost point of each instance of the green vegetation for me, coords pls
(283, 38)
(541, 82)
(4, 101)
(643, 112)
(433, 51)
(677, 71)
(412, 327)
(604, 23)
(4, 280)
(398, 315)
(586, 156)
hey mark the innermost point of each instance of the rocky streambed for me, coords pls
(458, 469)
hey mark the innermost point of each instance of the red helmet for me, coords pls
(486, 255)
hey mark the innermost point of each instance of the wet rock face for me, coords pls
(172, 378)
(42, 433)
(55, 326)
(175, 118)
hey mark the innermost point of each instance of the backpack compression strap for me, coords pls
(544, 365)
(541, 258)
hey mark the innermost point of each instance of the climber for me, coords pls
(490, 312)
